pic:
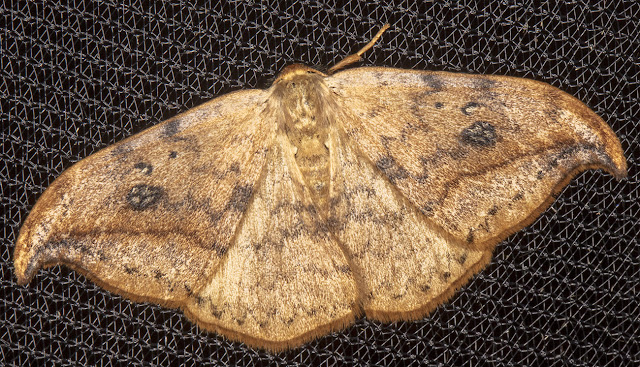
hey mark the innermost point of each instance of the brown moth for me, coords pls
(275, 216)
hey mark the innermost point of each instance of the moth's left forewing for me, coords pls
(477, 155)
(151, 216)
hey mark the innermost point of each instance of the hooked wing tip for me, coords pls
(24, 266)
(34, 250)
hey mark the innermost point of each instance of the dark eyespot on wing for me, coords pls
(479, 134)
(469, 108)
(142, 197)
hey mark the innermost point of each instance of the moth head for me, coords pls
(292, 71)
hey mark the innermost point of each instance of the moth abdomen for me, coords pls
(306, 118)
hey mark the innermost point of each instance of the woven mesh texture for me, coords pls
(78, 76)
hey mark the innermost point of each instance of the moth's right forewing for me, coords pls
(151, 216)
(478, 155)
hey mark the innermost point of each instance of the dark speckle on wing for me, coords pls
(240, 197)
(144, 168)
(142, 197)
(479, 134)
(171, 128)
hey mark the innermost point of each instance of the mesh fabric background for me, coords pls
(78, 76)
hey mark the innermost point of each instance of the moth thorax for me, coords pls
(306, 125)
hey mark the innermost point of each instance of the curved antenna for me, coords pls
(358, 55)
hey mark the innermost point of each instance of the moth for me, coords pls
(275, 216)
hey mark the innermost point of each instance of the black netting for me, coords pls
(79, 76)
